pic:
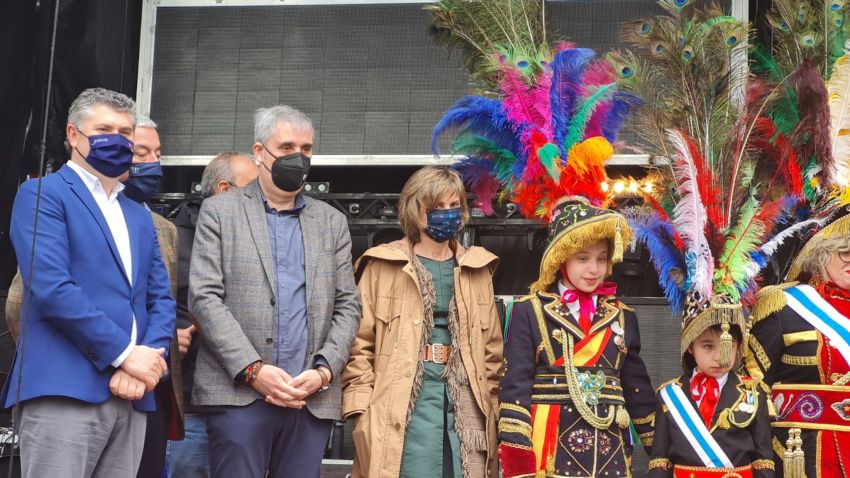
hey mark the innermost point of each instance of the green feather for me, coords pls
(585, 112)
(743, 238)
(503, 160)
(549, 155)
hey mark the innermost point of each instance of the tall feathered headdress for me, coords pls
(543, 141)
(729, 174)
(811, 70)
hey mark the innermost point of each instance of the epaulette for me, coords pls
(668, 382)
(624, 306)
(524, 298)
(769, 300)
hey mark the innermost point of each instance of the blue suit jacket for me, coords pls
(82, 307)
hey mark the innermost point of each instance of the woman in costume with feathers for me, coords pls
(800, 339)
(574, 378)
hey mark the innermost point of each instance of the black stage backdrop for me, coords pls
(97, 44)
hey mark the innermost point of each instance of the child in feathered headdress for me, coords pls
(574, 378)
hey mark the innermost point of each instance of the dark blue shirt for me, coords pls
(287, 246)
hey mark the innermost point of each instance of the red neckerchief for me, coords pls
(708, 389)
(586, 304)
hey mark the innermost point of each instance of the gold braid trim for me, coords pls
(647, 438)
(757, 350)
(769, 300)
(660, 463)
(649, 419)
(544, 331)
(515, 408)
(516, 445)
(763, 464)
(800, 360)
(510, 425)
(778, 448)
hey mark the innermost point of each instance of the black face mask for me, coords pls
(289, 173)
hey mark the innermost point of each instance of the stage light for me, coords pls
(604, 187)
(619, 186)
(647, 187)
(633, 186)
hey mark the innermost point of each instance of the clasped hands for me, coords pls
(139, 373)
(286, 391)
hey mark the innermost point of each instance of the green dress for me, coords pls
(430, 440)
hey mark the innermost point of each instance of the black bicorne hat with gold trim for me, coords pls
(574, 225)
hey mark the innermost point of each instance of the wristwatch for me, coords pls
(326, 380)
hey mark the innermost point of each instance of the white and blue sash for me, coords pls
(687, 419)
(805, 301)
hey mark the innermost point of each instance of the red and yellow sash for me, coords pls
(545, 418)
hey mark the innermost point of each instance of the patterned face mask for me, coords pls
(443, 224)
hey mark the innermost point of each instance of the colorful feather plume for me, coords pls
(731, 170)
(546, 136)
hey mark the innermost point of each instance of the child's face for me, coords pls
(706, 352)
(586, 269)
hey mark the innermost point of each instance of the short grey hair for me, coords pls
(822, 252)
(219, 169)
(80, 109)
(266, 120)
(144, 121)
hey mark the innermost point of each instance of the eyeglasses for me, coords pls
(844, 256)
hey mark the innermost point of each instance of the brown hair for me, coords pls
(423, 192)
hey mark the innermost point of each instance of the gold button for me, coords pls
(637, 390)
(416, 321)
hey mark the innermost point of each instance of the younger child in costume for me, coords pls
(710, 421)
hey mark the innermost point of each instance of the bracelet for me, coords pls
(249, 374)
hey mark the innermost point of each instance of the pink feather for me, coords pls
(517, 100)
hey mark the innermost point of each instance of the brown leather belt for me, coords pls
(437, 353)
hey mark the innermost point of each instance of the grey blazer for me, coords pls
(232, 295)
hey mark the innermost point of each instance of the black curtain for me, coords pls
(97, 44)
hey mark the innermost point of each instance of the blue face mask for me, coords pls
(443, 224)
(109, 154)
(143, 182)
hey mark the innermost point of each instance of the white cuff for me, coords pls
(126, 353)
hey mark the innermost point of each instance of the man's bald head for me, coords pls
(230, 169)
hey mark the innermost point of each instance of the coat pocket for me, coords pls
(387, 315)
(485, 314)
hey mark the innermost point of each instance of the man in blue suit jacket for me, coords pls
(98, 316)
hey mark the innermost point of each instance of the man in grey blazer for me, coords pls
(272, 290)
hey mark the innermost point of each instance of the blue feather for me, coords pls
(623, 102)
(483, 116)
(473, 170)
(568, 69)
(657, 234)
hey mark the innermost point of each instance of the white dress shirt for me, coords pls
(573, 307)
(114, 215)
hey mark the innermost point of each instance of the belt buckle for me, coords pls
(439, 353)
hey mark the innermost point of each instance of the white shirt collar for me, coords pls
(92, 182)
(573, 307)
